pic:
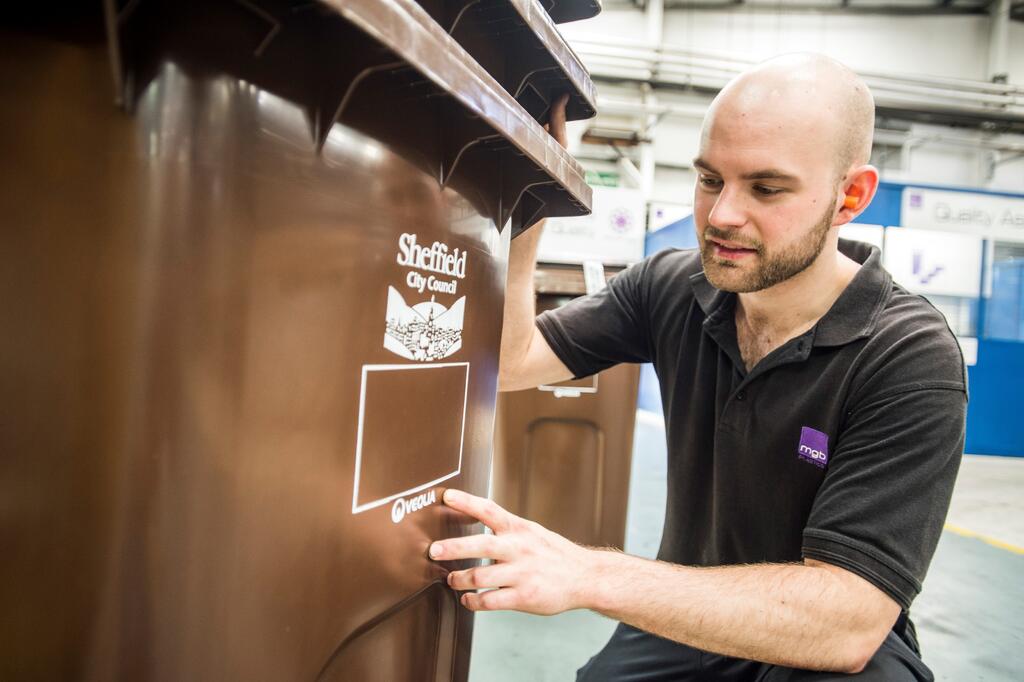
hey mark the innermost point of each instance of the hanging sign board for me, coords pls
(613, 234)
(986, 215)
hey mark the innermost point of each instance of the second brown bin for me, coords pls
(563, 453)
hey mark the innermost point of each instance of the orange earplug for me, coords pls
(852, 198)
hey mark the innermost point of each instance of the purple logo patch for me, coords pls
(813, 446)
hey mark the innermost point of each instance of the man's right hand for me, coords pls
(556, 121)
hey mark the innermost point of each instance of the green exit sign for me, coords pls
(602, 178)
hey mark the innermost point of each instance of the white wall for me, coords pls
(1016, 60)
(944, 46)
(1009, 176)
(674, 186)
(939, 45)
(943, 163)
(623, 23)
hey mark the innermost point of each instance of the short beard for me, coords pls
(772, 268)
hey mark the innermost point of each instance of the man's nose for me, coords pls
(728, 211)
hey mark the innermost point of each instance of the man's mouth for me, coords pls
(730, 250)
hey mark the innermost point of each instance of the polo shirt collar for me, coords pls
(855, 313)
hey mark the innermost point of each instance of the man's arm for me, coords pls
(526, 359)
(810, 616)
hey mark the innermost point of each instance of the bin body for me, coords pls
(231, 397)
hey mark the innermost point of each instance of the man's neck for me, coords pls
(767, 319)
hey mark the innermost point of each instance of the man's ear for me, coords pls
(856, 192)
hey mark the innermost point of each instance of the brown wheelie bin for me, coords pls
(252, 259)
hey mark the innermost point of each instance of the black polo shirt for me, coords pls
(842, 445)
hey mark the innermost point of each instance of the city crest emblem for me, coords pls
(425, 331)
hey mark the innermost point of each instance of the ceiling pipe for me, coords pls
(655, 11)
(999, 42)
(695, 112)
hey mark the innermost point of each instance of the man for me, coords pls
(814, 414)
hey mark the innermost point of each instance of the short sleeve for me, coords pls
(881, 507)
(592, 333)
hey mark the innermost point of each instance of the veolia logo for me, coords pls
(401, 507)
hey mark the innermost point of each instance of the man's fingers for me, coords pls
(470, 547)
(558, 110)
(482, 509)
(492, 600)
(482, 577)
(456, 518)
(556, 124)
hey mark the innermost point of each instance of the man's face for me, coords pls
(764, 200)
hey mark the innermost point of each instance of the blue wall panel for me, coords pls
(885, 208)
(995, 414)
(679, 235)
(1004, 312)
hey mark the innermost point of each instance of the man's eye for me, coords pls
(767, 191)
(710, 183)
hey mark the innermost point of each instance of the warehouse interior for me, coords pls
(258, 257)
(940, 72)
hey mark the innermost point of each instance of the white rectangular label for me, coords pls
(411, 430)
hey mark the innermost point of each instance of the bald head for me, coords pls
(810, 98)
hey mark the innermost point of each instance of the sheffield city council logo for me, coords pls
(428, 330)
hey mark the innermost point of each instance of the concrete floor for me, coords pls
(969, 616)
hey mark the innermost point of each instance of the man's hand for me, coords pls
(556, 122)
(537, 571)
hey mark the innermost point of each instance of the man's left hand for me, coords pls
(536, 571)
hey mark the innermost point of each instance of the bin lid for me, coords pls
(540, 65)
(332, 66)
(406, 29)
